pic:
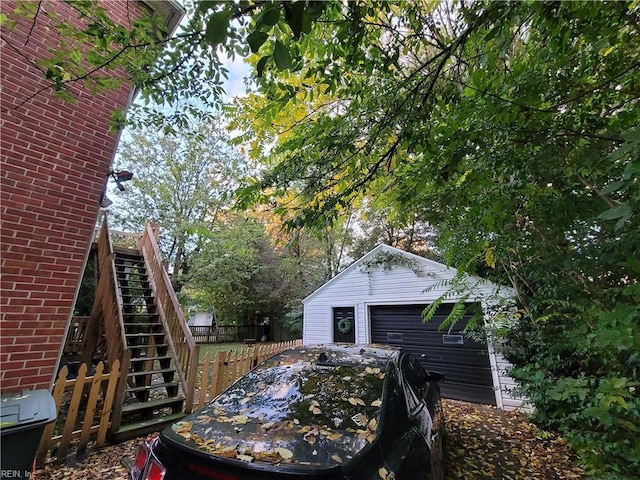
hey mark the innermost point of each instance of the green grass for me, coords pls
(219, 347)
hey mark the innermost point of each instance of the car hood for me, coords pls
(301, 413)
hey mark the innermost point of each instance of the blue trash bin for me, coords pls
(23, 417)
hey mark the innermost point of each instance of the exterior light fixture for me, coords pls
(120, 177)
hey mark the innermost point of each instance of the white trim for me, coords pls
(494, 374)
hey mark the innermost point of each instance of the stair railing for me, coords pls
(180, 340)
(110, 304)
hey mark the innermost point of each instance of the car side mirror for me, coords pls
(435, 377)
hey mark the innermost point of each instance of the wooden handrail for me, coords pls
(110, 306)
(113, 319)
(180, 340)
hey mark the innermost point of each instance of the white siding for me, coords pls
(399, 285)
(200, 319)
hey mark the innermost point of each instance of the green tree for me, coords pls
(239, 274)
(512, 125)
(400, 229)
(181, 182)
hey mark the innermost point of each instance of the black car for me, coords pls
(321, 412)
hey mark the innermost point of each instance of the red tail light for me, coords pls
(155, 471)
(141, 459)
(145, 467)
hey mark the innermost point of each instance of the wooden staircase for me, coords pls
(152, 395)
(137, 319)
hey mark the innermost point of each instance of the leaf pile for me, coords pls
(484, 443)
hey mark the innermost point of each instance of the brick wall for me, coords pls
(55, 161)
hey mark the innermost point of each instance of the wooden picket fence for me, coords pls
(93, 397)
(76, 395)
(220, 371)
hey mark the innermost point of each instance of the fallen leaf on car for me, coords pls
(227, 452)
(245, 458)
(204, 419)
(356, 401)
(336, 458)
(384, 474)
(182, 426)
(284, 453)
(360, 419)
(372, 425)
(265, 427)
(239, 420)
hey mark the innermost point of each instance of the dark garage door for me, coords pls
(464, 363)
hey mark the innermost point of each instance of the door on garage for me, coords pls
(463, 361)
(344, 327)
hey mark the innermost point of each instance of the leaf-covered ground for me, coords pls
(485, 443)
(482, 443)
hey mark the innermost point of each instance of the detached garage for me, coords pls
(380, 299)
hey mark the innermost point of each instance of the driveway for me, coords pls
(482, 443)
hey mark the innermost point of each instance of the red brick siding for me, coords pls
(55, 160)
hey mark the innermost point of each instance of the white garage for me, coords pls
(380, 299)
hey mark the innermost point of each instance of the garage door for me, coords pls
(464, 362)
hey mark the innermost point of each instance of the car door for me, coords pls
(398, 437)
(416, 385)
(425, 409)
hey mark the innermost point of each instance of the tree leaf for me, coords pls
(281, 56)
(256, 39)
(217, 27)
(261, 64)
(619, 211)
(268, 17)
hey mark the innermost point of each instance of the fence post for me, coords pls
(72, 413)
(204, 381)
(45, 442)
(220, 370)
(192, 375)
(114, 376)
(91, 407)
(120, 390)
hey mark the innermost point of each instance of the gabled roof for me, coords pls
(427, 265)
(172, 10)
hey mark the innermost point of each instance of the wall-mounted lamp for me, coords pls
(120, 177)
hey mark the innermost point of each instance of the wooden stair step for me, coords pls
(151, 372)
(142, 324)
(142, 335)
(152, 387)
(141, 328)
(129, 258)
(124, 270)
(156, 345)
(128, 271)
(152, 404)
(137, 429)
(144, 359)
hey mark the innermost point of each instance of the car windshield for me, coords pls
(310, 407)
